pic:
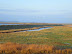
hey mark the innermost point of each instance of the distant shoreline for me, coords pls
(32, 23)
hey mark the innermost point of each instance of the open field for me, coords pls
(58, 38)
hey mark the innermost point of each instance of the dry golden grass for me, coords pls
(13, 48)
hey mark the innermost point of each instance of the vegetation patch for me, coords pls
(57, 40)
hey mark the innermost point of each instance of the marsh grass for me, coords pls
(8, 27)
(55, 36)
(58, 36)
(13, 48)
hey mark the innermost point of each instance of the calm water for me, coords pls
(8, 24)
(38, 29)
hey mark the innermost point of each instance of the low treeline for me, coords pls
(13, 48)
(8, 27)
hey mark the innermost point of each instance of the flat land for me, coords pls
(58, 36)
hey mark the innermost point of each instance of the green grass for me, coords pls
(56, 36)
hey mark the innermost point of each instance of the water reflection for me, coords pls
(39, 29)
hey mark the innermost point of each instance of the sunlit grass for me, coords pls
(57, 40)
(13, 48)
(56, 36)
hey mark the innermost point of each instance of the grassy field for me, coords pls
(58, 36)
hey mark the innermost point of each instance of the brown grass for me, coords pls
(13, 48)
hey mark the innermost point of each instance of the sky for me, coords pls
(36, 11)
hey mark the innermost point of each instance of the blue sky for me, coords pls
(43, 11)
